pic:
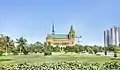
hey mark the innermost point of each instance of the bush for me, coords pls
(15, 52)
(105, 52)
(1, 52)
(47, 53)
(35, 51)
(25, 52)
(115, 55)
(40, 51)
(76, 49)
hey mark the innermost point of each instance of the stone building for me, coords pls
(61, 40)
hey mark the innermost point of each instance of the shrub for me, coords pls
(115, 55)
(76, 49)
(105, 52)
(35, 51)
(40, 51)
(1, 52)
(14, 52)
(25, 52)
(47, 53)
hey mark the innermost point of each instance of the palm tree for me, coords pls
(7, 42)
(11, 45)
(21, 43)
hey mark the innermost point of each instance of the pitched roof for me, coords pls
(58, 36)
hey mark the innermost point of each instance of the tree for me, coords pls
(115, 55)
(76, 49)
(69, 49)
(89, 50)
(101, 49)
(2, 47)
(47, 49)
(105, 49)
(56, 49)
(21, 44)
(81, 48)
(95, 49)
(115, 50)
(105, 52)
(38, 47)
(8, 43)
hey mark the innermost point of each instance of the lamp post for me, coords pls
(78, 38)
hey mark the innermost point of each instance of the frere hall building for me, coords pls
(61, 40)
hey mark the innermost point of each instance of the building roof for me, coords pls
(58, 36)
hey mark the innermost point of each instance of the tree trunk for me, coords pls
(6, 49)
(20, 50)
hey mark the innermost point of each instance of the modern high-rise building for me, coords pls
(112, 36)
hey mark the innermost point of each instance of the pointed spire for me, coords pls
(71, 29)
(53, 31)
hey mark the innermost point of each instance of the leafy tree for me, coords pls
(89, 50)
(47, 49)
(95, 49)
(69, 49)
(6, 43)
(76, 49)
(105, 52)
(1, 52)
(81, 48)
(38, 47)
(21, 44)
(115, 55)
(56, 49)
(101, 49)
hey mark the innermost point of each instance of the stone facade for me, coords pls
(61, 40)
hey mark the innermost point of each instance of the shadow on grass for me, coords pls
(4, 60)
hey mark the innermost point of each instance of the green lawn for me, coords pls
(39, 58)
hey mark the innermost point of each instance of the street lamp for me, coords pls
(79, 39)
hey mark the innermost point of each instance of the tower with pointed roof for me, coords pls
(72, 34)
(61, 40)
(53, 31)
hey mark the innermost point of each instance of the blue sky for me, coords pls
(33, 18)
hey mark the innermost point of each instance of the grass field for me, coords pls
(56, 57)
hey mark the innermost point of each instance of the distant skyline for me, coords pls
(33, 18)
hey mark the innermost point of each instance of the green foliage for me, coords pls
(76, 49)
(1, 52)
(105, 52)
(114, 65)
(116, 49)
(47, 53)
(48, 50)
(22, 44)
(95, 49)
(69, 49)
(89, 50)
(56, 49)
(81, 48)
(115, 55)
(111, 66)
(54, 66)
(15, 52)
(25, 52)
